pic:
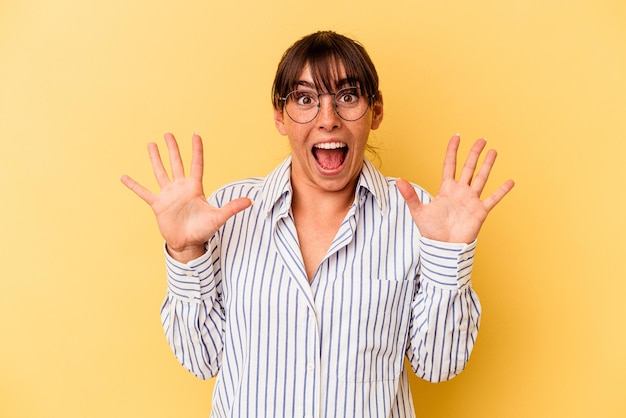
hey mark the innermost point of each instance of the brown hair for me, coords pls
(325, 52)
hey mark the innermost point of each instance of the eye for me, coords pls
(348, 96)
(305, 98)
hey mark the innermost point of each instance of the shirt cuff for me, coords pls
(445, 264)
(186, 281)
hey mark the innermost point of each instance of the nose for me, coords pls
(327, 116)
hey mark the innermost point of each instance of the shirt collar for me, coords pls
(373, 181)
(277, 191)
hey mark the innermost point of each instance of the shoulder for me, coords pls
(423, 195)
(259, 189)
(385, 188)
(249, 188)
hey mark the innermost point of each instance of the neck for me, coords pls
(313, 200)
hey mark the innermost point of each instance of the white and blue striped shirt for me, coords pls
(283, 347)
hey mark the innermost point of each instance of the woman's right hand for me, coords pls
(185, 218)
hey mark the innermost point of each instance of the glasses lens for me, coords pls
(351, 105)
(302, 105)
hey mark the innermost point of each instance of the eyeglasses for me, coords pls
(303, 106)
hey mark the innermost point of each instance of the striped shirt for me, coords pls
(335, 347)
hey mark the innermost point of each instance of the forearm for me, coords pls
(446, 312)
(192, 315)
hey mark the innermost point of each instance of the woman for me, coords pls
(305, 302)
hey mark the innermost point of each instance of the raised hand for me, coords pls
(456, 213)
(183, 215)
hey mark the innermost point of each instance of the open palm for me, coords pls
(185, 218)
(456, 213)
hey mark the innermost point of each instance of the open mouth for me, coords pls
(330, 155)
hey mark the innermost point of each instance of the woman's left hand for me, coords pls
(456, 213)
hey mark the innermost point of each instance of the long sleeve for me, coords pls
(445, 311)
(192, 313)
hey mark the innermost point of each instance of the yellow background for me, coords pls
(85, 85)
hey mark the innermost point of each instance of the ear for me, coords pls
(377, 108)
(279, 121)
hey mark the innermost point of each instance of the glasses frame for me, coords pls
(368, 97)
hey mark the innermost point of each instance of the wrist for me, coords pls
(186, 254)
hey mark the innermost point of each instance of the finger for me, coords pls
(408, 193)
(145, 194)
(472, 161)
(176, 163)
(483, 174)
(197, 158)
(157, 165)
(449, 162)
(497, 196)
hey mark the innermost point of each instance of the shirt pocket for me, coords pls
(373, 325)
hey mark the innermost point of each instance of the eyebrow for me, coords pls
(344, 82)
(305, 83)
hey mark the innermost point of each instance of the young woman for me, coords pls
(305, 303)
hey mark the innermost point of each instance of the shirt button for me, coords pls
(189, 273)
(310, 367)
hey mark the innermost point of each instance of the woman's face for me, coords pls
(327, 153)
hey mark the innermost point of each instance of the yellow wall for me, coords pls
(85, 85)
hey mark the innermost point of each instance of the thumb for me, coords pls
(234, 207)
(408, 193)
